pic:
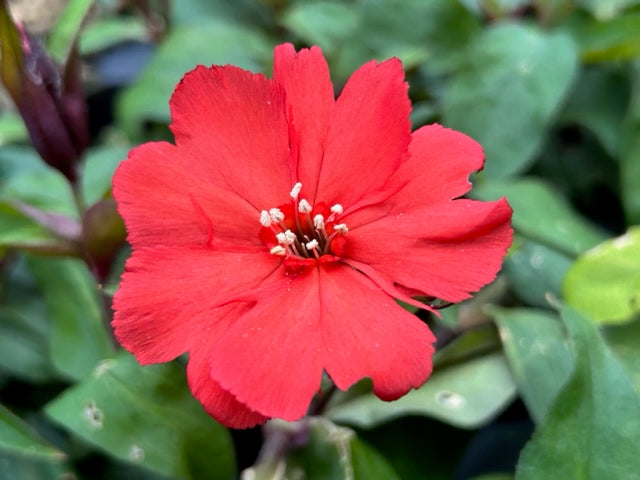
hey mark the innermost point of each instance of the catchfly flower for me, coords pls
(271, 241)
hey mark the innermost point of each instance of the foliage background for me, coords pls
(536, 377)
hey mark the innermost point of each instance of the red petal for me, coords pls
(368, 136)
(270, 359)
(310, 100)
(446, 250)
(164, 201)
(438, 168)
(170, 299)
(233, 124)
(218, 403)
(366, 334)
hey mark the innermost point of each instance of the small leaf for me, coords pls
(79, 339)
(605, 282)
(513, 82)
(100, 164)
(466, 395)
(535, 345)
(542, 214)
(623, 341)
(592, 430)
(146, 416)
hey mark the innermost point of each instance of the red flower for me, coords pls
(270, 242)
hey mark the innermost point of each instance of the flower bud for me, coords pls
(104, 234)
(48, 97)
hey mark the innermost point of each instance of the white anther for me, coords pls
(265, 219)
(312, 245)
(290, 237)
(304, 206)
(318, 222)
(286, 238)
(340, 227)
(278, 250)
(295, 191)
(276, 215)
(337, 209)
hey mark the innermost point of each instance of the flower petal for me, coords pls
(218, 403)
(310, 100)
(165, 202)
(270, 359)
(446, 250)
(170, 299)
(234, 125)
(438, 168)
(368, 135)
(366, 334)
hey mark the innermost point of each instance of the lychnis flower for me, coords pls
(271, 240)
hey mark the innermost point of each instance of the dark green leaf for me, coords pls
(465, 395)
(623, 341)
(322, 23)
(79, 339)
(514, 80)
(542, 214)
(20, 231)
(592, 430)
(535, 345)
(604, 283)
(630, 153)
(534, 270)
(100, 164)
(146, 416)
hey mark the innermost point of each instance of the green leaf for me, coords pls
(148, 417)
(541, 214)
(12, 128)
(624, 340)
(535, 345)
(592, 430)
(598, 102)
(326, 24)
(23, 455)
(182, 50)
(100, 165)
(67, 28)
(515, 78)
(17, 437)
(20, 231)
(606, 9)
(466, 395)
(79, 339)
(534, 270)
(108, 32)
(612, 39)
(24, 176)
(604, 283)
(630, 154)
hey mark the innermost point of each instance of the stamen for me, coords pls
(318, 222)
(286, 238)
(265, 219)
(278, 250)
(337, 209)
(276, 215)
(312, 245)
(295, 191)
(341, 227)
(304, 206)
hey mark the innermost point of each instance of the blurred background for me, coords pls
(550, 88)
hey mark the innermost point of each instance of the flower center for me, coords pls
(299, 231)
